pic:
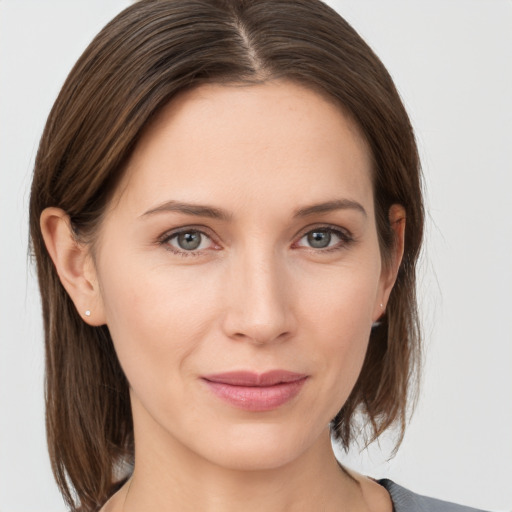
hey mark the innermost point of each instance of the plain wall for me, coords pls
(452, 63)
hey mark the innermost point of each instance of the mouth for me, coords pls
(256, 392)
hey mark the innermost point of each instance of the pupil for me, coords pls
(189, 241)
(319, 239)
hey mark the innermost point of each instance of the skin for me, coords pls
(255, 295)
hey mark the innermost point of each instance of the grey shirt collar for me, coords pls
(407, 501)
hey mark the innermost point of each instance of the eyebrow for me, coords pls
(220, 214)
(329, 206)
(190, 209)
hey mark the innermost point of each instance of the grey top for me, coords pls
(407, 501)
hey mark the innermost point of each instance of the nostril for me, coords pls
(262, 337)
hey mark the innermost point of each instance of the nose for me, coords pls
(258, 301)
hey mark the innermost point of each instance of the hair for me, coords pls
(151, 51)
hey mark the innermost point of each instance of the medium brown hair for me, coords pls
(136, 65)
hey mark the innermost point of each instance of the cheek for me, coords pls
(156, 318)
(338, 317)
(161, 318)
(341, 299)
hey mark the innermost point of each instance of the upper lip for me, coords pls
(248, 378)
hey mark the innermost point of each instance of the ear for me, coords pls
(74, 265)
(391, 266)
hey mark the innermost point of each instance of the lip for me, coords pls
(256, 392)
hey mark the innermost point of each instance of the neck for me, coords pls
(172, 475)
(175, 480)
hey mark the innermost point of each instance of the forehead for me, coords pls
(248, 142)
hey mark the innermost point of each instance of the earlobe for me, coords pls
(73, 264)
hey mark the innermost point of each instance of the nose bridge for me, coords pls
(258, 308)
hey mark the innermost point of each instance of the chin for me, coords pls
(257, 447)
(254, 457)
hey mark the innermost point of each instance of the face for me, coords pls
(239, 272)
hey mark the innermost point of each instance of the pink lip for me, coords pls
(256, 392)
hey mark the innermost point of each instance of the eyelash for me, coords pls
(345, 237)
(167, 237)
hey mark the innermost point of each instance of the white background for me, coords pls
(452, 62)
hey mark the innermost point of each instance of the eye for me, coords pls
(188, 241)
(324, 238)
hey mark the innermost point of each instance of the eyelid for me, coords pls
(203, 230)
(344, 234)
(320, 225)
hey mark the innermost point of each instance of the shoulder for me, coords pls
(407, 501)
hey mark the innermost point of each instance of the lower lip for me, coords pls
(257, 398)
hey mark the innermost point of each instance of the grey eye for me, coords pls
(188, 240)
(325, 238)
(319, 239)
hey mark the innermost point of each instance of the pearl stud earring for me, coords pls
(88, 313)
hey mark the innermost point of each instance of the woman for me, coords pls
(226, 214)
